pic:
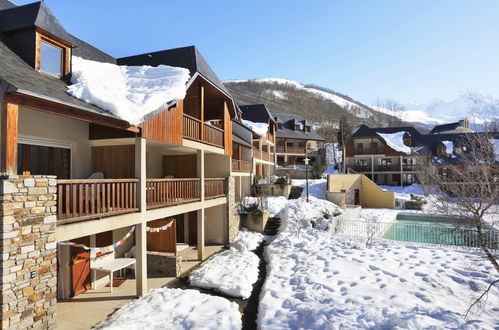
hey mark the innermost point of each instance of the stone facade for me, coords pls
(161, 264)
(28, 250)
(232, 215)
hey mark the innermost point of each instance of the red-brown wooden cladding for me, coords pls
(165, 126)
(213, 135)
(227, 130)
(241, 166)
(165, 240)
(192, 128)
(266, 156)
(79, 200)
(214, 187)
(165, 192)
(256, 153)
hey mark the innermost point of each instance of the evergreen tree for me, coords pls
(344, 131)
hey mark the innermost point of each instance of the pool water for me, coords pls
(434, 231)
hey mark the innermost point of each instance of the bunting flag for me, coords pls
(108, 248)
(158, 229)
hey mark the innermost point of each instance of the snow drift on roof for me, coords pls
(259, 128)
(129, 92)
(396, 141)
(495, 143)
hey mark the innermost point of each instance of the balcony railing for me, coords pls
(192, 131)
(386, 168)
(362, 168)
(79, 200)
(241, 165)
(214, 187)
(294, 150)
(166, 192)
(266, 156)
(257, 153)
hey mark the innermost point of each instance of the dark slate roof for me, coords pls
(287, 131)
(241, 134)
(366, 131)
(184, 57)
(257, 113)
(4, 4)
(445, 127)
(20, 76)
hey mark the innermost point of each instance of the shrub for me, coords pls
(281, 180)
(414, 205)
(317, 171)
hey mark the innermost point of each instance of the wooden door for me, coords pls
(165, 240)
(193, 228)
(357, 197)
(80, 267)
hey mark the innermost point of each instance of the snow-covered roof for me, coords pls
(129, 92)
(396, 141)
(449, 147)
(260, 129)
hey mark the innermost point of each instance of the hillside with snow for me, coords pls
(321, 106)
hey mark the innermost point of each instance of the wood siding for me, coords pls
(227, 131)
(116, 162)
(180, 166)
(10, 131)
(165, 240)
(165, 126)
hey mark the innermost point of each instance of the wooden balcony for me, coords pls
(294, 150)
(194, 129)
(362, 168)
(168, 192)
(241, 165)
(266, 156)
(214, 187)
(263, 155)
(79, 200)
(386, 168)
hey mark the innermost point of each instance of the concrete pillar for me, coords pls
(200, 219)
(401, 172)
(200, 233)
(186, 228)
(140, 229)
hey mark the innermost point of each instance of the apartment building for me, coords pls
(78, 177)
(295, 140)
(389, 155)
(258, 118)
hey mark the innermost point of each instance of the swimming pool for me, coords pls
(436, 231)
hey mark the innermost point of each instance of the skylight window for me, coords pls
(51, 58)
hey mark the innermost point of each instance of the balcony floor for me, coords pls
(89, 308)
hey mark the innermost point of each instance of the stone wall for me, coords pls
(161, 264)
(28, 249)
(232, 215)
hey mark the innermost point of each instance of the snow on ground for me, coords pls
(233, 271)
(396, 141)
(316, 188)
(316, 281)
(277, 205)
(129, 92)
(259, 128)
(246, 240)
(175, 309)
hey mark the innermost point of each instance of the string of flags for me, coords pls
(111, 247)
(108, 248)
(158, 229)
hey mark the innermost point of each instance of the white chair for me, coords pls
(96, 176)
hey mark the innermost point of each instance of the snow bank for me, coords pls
(175, 309)
(412, 189)
(246, 240)
(396, 141)
(316, 188)
(449, 147)
(319, 281)
(276, 205)
(231, 272)
(129, 92)
(260, 129)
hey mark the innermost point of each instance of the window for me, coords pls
(375, 147)
(360, 149)
(51, 58)
(53, 55)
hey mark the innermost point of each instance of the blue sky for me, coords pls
(408, 50)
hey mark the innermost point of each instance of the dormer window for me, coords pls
(296, 127)
(307, 129)
(51, 58)
(53, 55)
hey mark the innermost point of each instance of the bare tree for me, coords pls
(396, 111)
(468, 179)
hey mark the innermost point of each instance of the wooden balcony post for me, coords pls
(201, 111)
(140, 229)
(9, 136)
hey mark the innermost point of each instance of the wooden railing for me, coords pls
(280, 149)
(293, 150)
(256, 153)
(79, 200)
(214, 187)
(266, 156)
(213, 135)
(165, 192)
(192, 128)
(241, 165)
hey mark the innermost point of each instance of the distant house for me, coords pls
(295, 140)
(388, 155)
